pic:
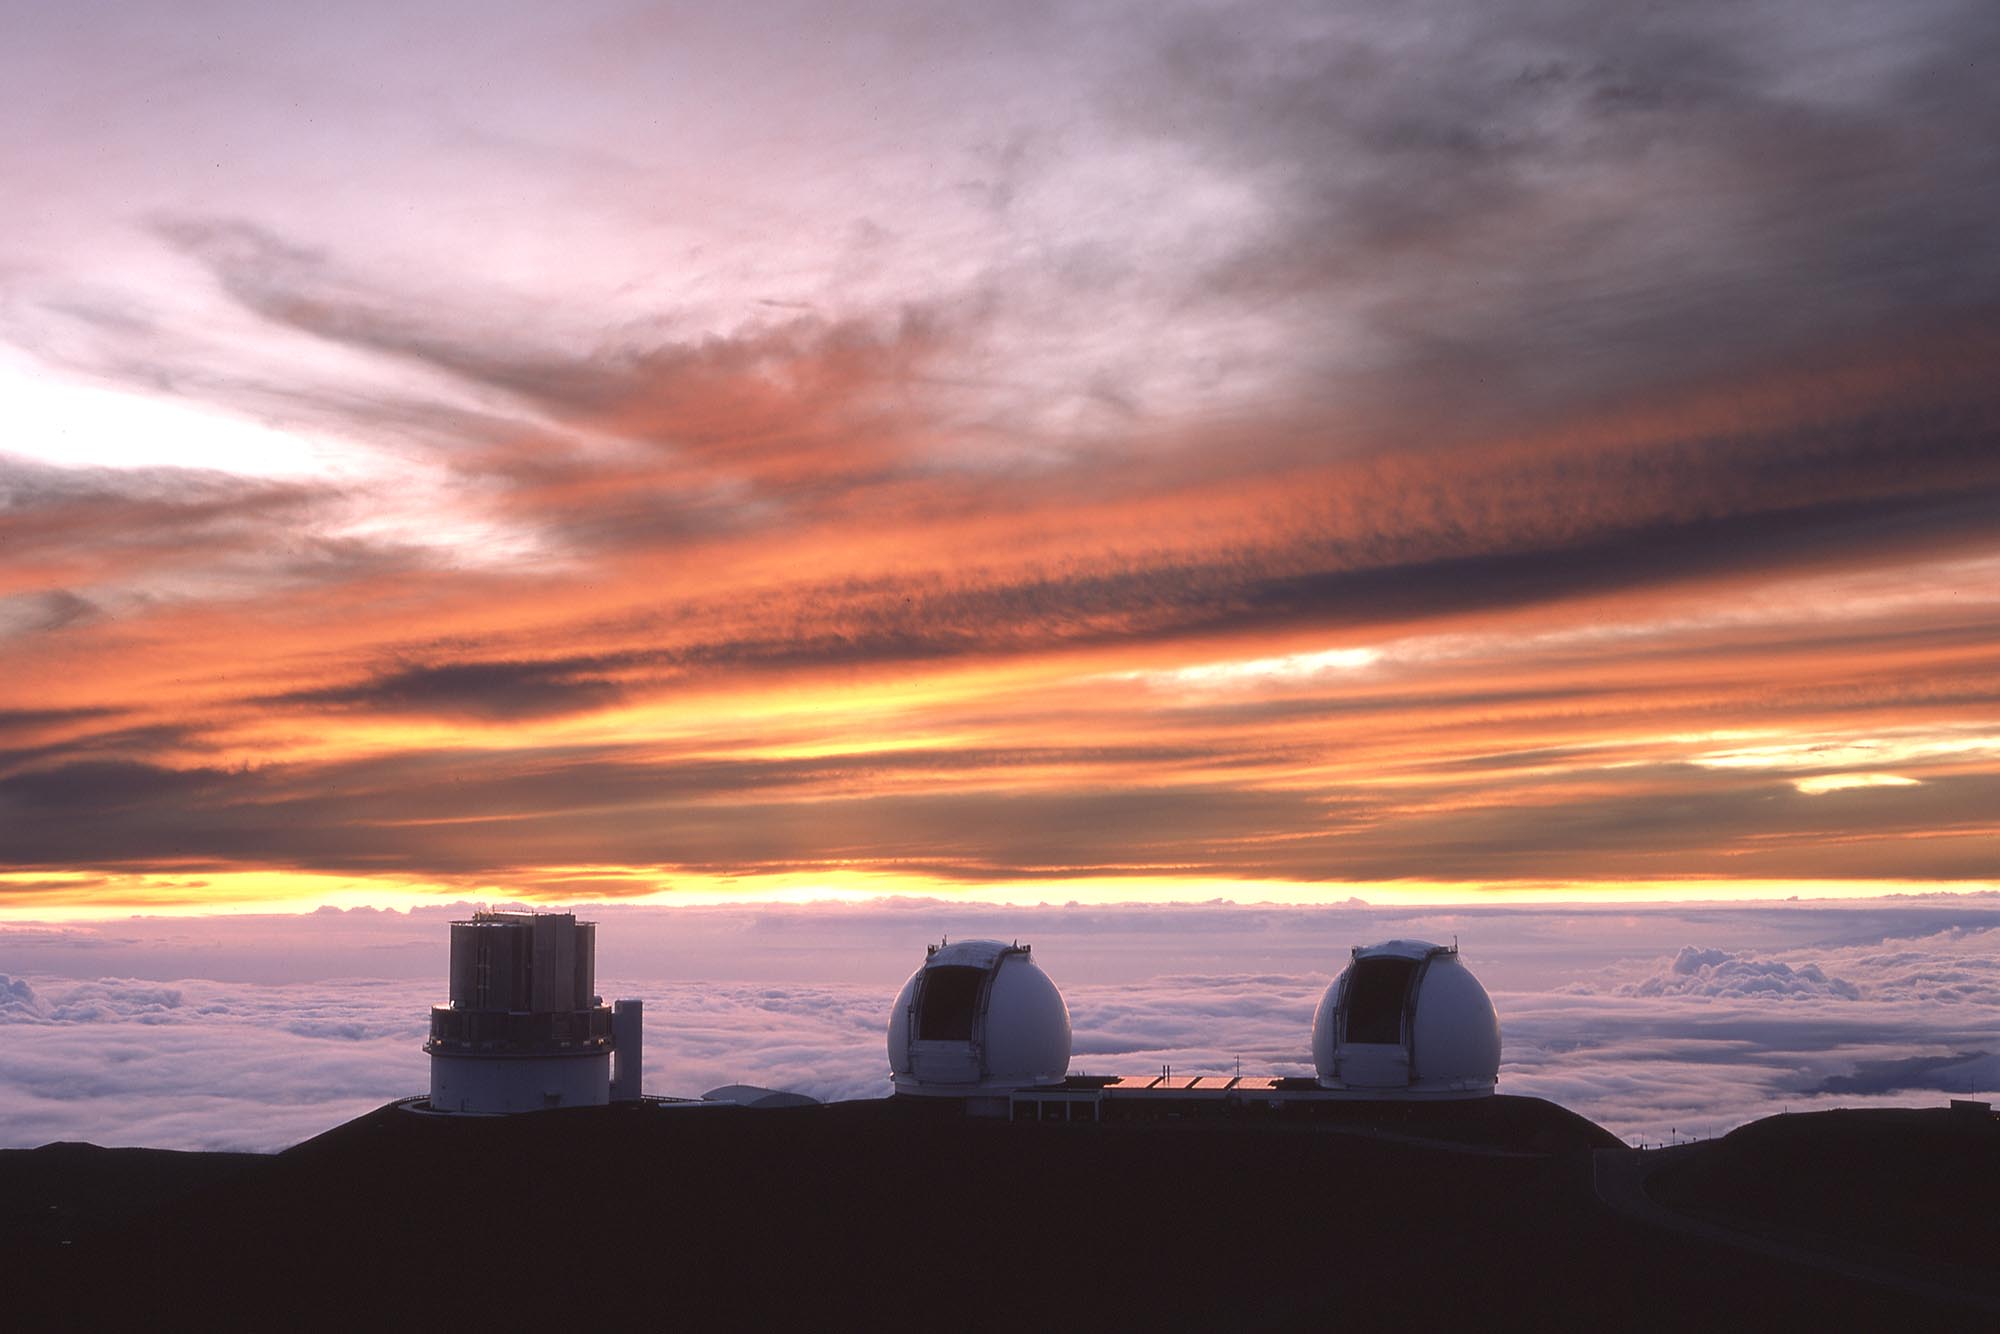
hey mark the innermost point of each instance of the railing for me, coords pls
(499, 1031)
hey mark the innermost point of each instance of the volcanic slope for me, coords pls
(905, 1216)
(1879, 1182)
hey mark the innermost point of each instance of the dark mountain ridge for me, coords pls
(906, 1215)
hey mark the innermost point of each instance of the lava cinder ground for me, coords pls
(900, 1216)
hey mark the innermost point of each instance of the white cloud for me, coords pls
(18, 1002)
(1250, 671)
(1820, 783)
(1859, 751)
(1718, 973)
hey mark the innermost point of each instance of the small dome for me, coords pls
(1407, 1020)
(978, 1017)
(753, 1095)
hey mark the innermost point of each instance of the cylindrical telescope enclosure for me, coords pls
(522, 1029)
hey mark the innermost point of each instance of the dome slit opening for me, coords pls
(1375, 999)
(948, 1004)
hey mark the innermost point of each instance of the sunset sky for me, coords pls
(1484, 449)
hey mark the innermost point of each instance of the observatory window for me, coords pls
(1375, 993)
(950, 995)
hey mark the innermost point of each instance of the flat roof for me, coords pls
(1164, 1087)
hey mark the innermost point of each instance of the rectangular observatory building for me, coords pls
(524, 1028)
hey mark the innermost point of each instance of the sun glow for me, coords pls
(1812, 787)
(1289, 667)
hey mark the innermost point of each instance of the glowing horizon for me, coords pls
(237, 893)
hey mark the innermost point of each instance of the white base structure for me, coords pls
(500, 1084)
(523, 1030)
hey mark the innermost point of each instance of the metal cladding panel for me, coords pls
(504, 963)
(1373, 1065)
(1398, 949)
(1326, 1027)
(967, 954)
(586, 965)
(554, 968)
(944, 1062)
(1026, 1034)
(899, 1026)
(1456, 1045)
(628, 1049)
(464, 964)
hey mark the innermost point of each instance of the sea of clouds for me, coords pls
(255, 1033)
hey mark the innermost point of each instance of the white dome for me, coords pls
(1407, 1019)
(978, 1017)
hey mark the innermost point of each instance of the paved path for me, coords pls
(1619, 1176)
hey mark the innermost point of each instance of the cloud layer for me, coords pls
(1822, 1005)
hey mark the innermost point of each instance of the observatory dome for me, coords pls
(979, 1017)
(1407, 1019)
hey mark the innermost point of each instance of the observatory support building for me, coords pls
(981, 1024)
(524, 1029)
